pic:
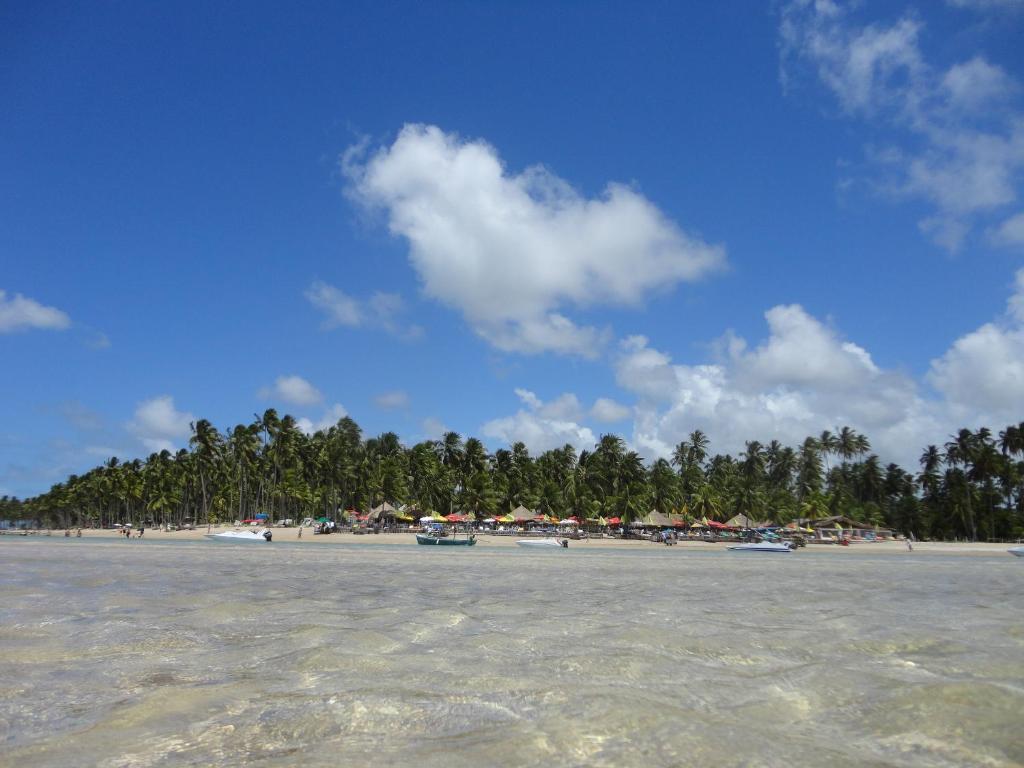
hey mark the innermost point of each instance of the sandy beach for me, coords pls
(291, 535)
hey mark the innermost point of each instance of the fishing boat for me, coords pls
(761, 546)
(1016, 551)
(543, 543)
(253, 535)
(426, 538)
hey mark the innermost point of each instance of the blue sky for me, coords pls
(535, 221)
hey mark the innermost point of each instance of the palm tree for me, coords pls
(960, 451)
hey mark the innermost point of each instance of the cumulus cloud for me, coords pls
(21, 313)
(805, 377)
(330, 417)
(292, 389)
(770, 393)
(381, 310)
(542, 426)
(159, 425)
(392, 401)
(608, 411)
(513, 252)
(983, 372)
(961, 137)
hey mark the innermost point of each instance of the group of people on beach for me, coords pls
(127, 533)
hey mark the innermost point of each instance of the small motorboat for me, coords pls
(543, 543)
(422, 538)
(761, 546)
(1016, 551)
(253, 535)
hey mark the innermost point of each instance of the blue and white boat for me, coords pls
(761, 546)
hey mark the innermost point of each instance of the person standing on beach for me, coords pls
(300, 531)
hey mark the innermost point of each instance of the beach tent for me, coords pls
(261, 515)
(655, 519)
(521, 514)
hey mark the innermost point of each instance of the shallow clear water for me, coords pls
(117, 654)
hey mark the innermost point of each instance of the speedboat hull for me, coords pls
(1016, 551)
(257, 535)
(542, 543)
(762, 546)
(446, 542)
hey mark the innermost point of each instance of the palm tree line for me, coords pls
(972, 487)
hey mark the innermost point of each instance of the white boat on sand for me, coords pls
(1017, 551)
(543, 543)
(250, 535)
(761, 546)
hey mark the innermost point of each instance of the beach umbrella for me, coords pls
(427, 519)
(569, 521)
(614, 521)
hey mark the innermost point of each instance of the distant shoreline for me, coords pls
(291, 535)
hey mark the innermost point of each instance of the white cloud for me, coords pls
(391, 401)
(805, 378)
(331, 416)
(771, 392)
(802, 352)
(434, 429)
(512, 251)
(382, 310)
(339, 307)
(292, 389)
(975, 83)
(608, 411)
(982, 374)
(1011, 231)
(962, 140)
(542, 426)
(987, 5)
(159, 425)
(22, 313)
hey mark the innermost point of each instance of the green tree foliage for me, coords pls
(972, 487)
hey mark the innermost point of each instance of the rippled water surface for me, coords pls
(148, 653)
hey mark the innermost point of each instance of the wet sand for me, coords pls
(493, 540)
